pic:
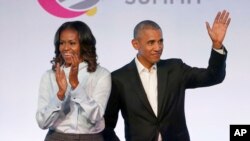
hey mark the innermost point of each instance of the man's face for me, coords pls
(149, 45)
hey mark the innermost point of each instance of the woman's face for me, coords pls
(69, 46)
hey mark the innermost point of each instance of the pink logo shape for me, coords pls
(56, 9)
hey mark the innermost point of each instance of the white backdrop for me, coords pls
(26, 43)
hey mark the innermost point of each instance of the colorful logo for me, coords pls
(69, 8)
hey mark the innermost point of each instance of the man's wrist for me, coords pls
(217, 46)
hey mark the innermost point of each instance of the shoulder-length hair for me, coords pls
(87, 43)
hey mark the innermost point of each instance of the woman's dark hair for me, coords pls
(87, 44)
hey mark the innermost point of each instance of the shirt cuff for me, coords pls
(79, 94)
(220, 51)
(56, 103)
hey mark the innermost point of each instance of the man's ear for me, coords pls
(135, 44)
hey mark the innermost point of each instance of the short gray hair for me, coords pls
(146, 24)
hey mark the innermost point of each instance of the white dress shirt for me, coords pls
(149, 82)
(82, 110)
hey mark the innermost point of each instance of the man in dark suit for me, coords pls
(150, 92)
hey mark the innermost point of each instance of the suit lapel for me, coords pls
(136, 83)
(162, 76)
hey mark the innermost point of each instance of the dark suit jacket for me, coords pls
(174, 77)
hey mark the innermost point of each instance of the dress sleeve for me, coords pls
(93, 95)
(49, 106)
